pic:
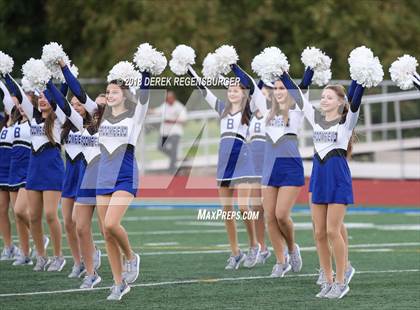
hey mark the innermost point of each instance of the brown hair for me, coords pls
(5, 120)
(49, 125)
(340, 91)
(96, 118)
(245, 107)
(16, 116)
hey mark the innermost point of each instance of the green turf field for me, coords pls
(183, 268)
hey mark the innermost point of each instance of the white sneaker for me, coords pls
(252, 256)
(349, 273)
(9, 253)
(118, 291)
(23, 260)
(322, 278)
(235, 261)
(97, 257)
(90, 281)
(279, 270)
(296, 259)
(132, 269)
(77, 271)
(41, 263)
(263, 257)
(57, 263)
(325, 288)
(338, 291)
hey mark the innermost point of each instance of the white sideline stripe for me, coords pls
(304, 249)
(374, 250)
(195, 281)
(161, 243)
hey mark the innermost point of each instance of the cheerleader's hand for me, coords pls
(61, 63)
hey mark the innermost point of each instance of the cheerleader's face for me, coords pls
(235, 94)
(43, 104)
(330, 102)
(114, 95)
(280, 94)
(78, 106)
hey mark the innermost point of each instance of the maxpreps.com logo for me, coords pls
(216, 215)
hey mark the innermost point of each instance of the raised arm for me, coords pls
(58, 112)
(353, 113)
(258, 100)
(77, 89)
(142, 97)
(307, 79)
(6, 98)
(28, 108)
(208, 95)
(300, 99)
(350, 91)
(64, 89)
(63, 106)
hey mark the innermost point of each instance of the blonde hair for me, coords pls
(340, 91)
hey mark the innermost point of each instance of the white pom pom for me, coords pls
(315, 59)
(124, 71)
(360, 53)
(367, 72)
(270, 64)
(226, 55)
(74, 70)
(210, 67)
(37, 73)
(182, 57)
(6, 63)
(147, 58)
(321, 78)
(51, 54)
(26, 85)
(402, 71)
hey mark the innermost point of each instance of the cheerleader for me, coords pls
(45, 175)
(6, 139)
(86, 191)
(117, 179)
(70, 138)
(256, 138)
(235, 168)
(282, 174)
(19, 160)
(330, 182)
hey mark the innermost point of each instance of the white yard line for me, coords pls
(194, 281)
